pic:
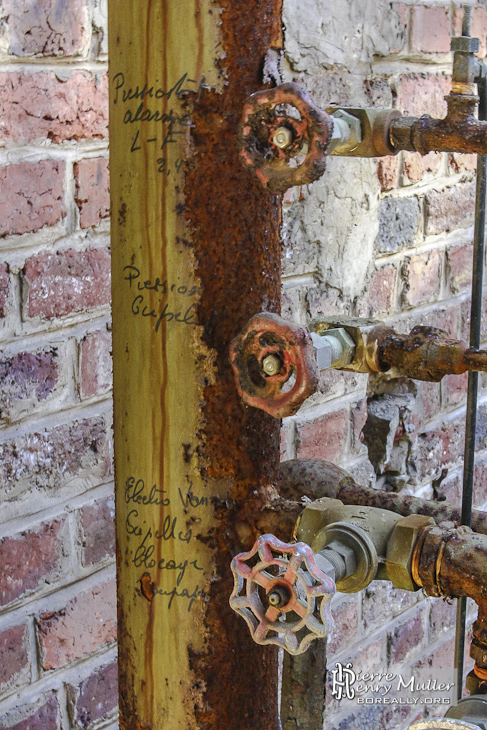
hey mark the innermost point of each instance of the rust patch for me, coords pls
(146, 587)
(235, 234)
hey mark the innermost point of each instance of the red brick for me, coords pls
(66, 282)
(94, 699)
(377, 717)
(422, 278)
(439, 659)
(96, 364)
(451, 208)
(37, 105)
(460, 162)
(324, 438)
(415, 165)
(478, 28)
(481, 430)
(97, 522)
(345, 628)
(30, 560)
(43, 717)
(419, 94)
(405, 638)
(83, 626)
(48, 27)
(459, 261)
(325, 301)
(14, 658)
(429, 393)
(92, 190)
(32, 196)
(430, 29)
(380, 292)
(387, 172)
(455, 388)
(4, 289)
(27, 378)
(48, 459)
(442, 618)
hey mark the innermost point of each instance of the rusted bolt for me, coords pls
(282, 137)
(271, 365)
(278, 597)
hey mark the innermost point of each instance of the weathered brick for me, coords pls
(438, 663)
(460, 162)
(388, 172)
(430, 29)
(450, 488)
(66, 282)
(480, 480)
(83, 626)
(359, 418)
(32, 196)
(95, 364)
(405, 638)
(345, 626)
(459, 265)
(43, 105)
(419, 94)
(48, 459)
(481, 430)
(96, 698)
(422, 277)
(31, 560)
(14, 658)
(439, 447)
(429, 394)
(380, 602)
(449, 209)
(415, 166)
(325, 438)
(92, 190)
(442, 617)
(380, 292)
(47, 27)
(27, 378)
(42, 717)
(97, 522)
(455, 388)
(399, 224)
(325, 301)
(4, 289)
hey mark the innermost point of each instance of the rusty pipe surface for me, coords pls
(315, 478)
(452, 561)
(459, 131)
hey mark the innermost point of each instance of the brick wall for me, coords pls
(57, 587)
(390, 239)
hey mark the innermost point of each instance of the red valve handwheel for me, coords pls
(271, 567)
(281, 394)
(303, 160)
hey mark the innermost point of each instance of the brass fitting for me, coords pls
(375, 124)
(365, 334)
(400, 550)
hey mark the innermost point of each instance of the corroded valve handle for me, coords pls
(274, 364)
(284, 136)
(280, 592)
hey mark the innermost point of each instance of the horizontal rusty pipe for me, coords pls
(315, 478)
(460, 131)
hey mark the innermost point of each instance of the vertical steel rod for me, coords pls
(473, 377)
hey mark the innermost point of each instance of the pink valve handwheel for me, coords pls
(280, 394)
(288, 571)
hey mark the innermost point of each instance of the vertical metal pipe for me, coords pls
(195, 253)
(467, 19)
(473, 377)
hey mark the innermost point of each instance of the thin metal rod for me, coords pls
(467, 17)
(473, 377)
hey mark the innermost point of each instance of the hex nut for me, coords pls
(347, 554)
(465, 44)
(400, 549)
(347, 132)
(333, 349)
